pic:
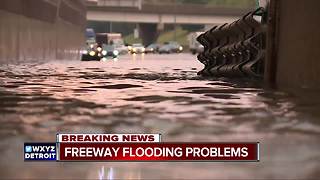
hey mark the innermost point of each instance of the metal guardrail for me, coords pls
(236, 49)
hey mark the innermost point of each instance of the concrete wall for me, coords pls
(41, 30)
(298, 44)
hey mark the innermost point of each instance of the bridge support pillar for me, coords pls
(148, 33)
(293, 44)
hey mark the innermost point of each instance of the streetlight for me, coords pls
(175, 20)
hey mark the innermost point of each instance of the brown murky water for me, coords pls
(154, 94)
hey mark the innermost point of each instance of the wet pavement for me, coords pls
(154, 94)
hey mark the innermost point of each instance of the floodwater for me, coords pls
(154, 94)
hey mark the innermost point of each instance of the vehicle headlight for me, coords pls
(180, 48)
(115, 52)
(104, 52)
(130, 48)
(84, 52)
(134, 49)
(92, 53)
(143, 49)
(151, 49)
(99, 49)
(91, 45)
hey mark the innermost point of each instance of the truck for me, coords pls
(194, 46)
(114, 39)
(109, 38)
(90, 36)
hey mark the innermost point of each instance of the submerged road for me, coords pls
(153, 94)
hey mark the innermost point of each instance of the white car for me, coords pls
(121, 48)
(194, 46)
(137, 48)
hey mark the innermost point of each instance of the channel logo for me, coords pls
(40, 152)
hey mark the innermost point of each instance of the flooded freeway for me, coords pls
(154, 94)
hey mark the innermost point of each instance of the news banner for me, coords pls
(136, 147)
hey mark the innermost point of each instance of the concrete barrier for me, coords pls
(41, 30)
(293, 44)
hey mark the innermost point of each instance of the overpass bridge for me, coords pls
(152, 17)
(166, 14)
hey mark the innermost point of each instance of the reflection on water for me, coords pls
(109, 176)
(154, 94)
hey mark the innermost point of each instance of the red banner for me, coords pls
(159, 151)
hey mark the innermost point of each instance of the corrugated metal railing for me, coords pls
(236, 49)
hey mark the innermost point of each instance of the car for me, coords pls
(121, 48)
(97, 52)
(137, 48)
(90, 53)
(166, 48)
(110, 51)
(152, 48)
(194, 46)
(175, 47)
(198, 49)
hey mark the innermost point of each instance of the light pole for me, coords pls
(110, 27)
(175, 21)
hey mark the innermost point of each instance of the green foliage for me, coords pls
(222, 3)
(233, 3)
(193, 1)
(131, 40)
(181, 36)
